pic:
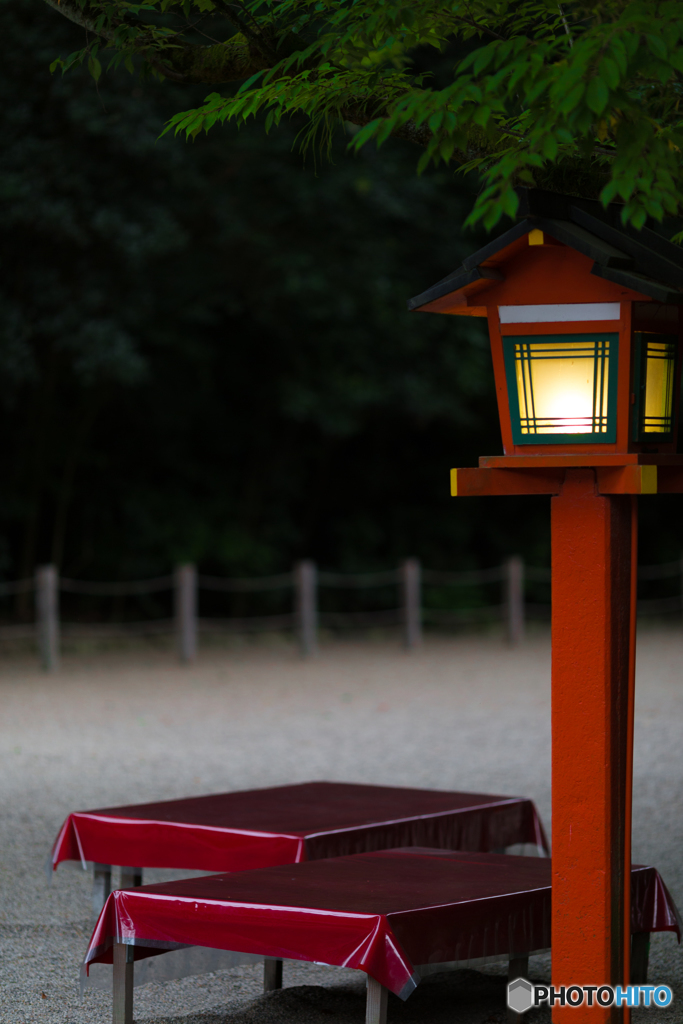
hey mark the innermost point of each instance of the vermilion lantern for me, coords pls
(585, 325)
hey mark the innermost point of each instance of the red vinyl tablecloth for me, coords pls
(288, 824)
(384, 913)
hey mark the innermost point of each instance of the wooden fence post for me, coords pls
(411, 582)
(47, 616)
(306, 587)
(186, 611)
(514, 599)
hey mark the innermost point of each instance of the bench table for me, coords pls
(394, 914)
(286, 825)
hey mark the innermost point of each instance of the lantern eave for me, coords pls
(644, 265)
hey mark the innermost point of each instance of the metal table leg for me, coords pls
(518, 967)
(272, 974)
(640, 956)
(131, 878)
(123, 984)
(101, 886)
(376, 1003)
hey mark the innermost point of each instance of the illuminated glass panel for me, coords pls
(654, 385)
(562, 387)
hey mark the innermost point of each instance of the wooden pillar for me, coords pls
(123, 984)
(591, 554)
(514, 600)
(47, 616)
(306, 585)
(186, 612)
(411, 585)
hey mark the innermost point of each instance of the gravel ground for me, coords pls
(461, 713)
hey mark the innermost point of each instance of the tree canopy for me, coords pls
(576, 97)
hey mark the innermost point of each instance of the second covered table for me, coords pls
(289, 824)
(391, 914)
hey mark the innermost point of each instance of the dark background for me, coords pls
(205, 352)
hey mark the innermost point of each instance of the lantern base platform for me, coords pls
(631, 473)
(583, 460)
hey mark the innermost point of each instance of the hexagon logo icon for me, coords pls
(520, 995)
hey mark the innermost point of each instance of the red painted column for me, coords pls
(591, 555)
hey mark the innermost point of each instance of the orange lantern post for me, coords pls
(585, 321)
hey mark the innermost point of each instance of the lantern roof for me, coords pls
(642, 263)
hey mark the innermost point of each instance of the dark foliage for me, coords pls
(204, 349)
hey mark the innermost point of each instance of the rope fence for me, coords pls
(410, 611)
(153, 586)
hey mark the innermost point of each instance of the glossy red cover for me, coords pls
(384, 913)
(288, 824)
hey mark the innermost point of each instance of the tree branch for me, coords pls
(232, 61)
(244, 55)
(259, 39)
(410, 132)
(481, 28)
(78, 16)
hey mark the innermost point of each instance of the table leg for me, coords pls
(101, 886)
(272, 974)
(376, 1003)
(640, 956)
(131, 878)
(123, 984)
(518, 967)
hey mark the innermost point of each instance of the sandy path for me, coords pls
(461, 713)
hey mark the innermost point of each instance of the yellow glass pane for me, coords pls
(562, 386)
(659, 388)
